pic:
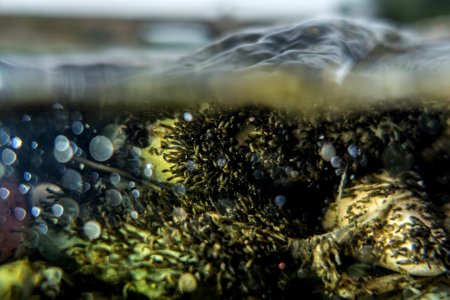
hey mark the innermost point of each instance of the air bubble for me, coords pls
(101, 148)
(42, 228)
(187, 283)
(114, 178)
(57, 210)
(179, 189)
(72, 180)
(63, 156)
(335, 162)
(16, 142)
(71, 209)
(4, 138)
(135, 193)
(8, 157)
(2, 170)
(148, 171)
(77, 127)
(131, 184)
(23, 188)
(221, 162)
(134, 215)
(42, 193)
(34, 145)
(26, 118)
(113, 197)
(280, 200)
(115, 134)
(4, 193)
(190, 165)
(327, 152)
(188, 117)
(27, 176)
(136, 152)
(20, 213)
(92, 229)
(352, 150)
(35, 211)
(61, 143)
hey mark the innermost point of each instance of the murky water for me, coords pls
(240, 171)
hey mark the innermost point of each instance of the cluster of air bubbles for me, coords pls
(62, 150)
(20, 213)
(188, 117)
(16, 142)
(190, 166)
(72, 180)
(148, 170)
(9, 157)
(221, 162)
(92, 229)
(114, 178)
(280, 201)
(179, 189)
(113, 197)
(327, 152)
(101, 148)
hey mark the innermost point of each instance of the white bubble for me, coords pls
(187, 116)
(42, 228)
(27, 176)
(16, 142)
(72, 180)
(101, 148)
(4, 138)
(335, 162)
(61, 143)
(77, 127)
(20, 213)
(280, 200)
(35, 211)
(23, 188)
(190, 165)
(179, 189)
(4, 193)
(34, 145)
(57, 210)
(63, 156)
(113, 197)
(135, 193)
(221, 162)
(148, 171)
(327, 151)
(26, 118)
(8, 157)
(114, 178)
(131, 184)
(92, 229)
(134, 214)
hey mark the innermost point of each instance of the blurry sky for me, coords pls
(205, 9)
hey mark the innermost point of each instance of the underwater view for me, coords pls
(308, 160)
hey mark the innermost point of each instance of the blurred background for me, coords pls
(157, 29)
